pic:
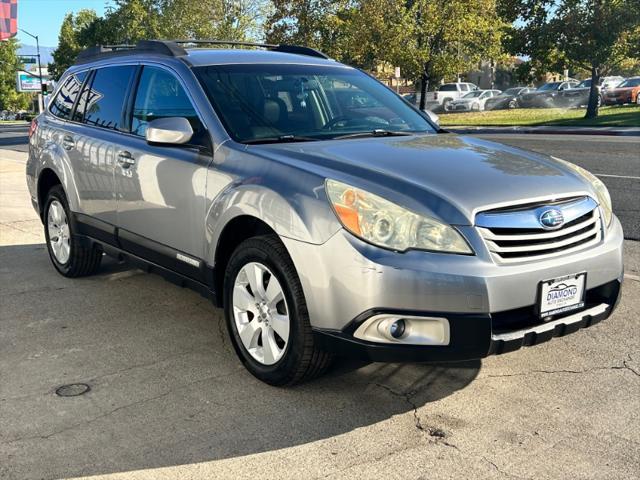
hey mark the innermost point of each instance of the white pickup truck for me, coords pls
(446, 93)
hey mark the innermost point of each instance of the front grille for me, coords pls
(528, 241)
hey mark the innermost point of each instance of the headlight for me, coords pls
(388, 225)
(604, 199)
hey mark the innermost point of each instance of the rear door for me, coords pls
(161, 188)
(97, 126)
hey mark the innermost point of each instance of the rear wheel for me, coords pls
(267, 316)
(68, 255)
(446, 104)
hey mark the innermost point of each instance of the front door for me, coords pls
(161, 188)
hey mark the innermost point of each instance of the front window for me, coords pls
(630, 82)
(549, 86)
(307, 102)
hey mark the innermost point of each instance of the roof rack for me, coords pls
(174, 48)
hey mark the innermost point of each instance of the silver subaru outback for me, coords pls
(324, 213)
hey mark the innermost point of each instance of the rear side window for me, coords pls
(105, 95)
(63, 102)
(160, 95)
(450, 87)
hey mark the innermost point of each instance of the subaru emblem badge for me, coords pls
(551, 219)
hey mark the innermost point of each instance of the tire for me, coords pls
(446, 104)
(512, 104)
(638, 98)
(69, 256)
(276, 355)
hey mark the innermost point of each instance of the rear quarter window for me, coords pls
(62, 103)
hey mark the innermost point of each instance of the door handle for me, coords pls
(67, 142)
(125, 159)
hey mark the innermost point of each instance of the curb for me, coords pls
(626, 132)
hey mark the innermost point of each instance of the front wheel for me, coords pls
(267, 316)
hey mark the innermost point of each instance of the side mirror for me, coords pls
(432, 116)
(169, 130)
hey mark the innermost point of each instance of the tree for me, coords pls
(128, 21)
(595, 35)
(311, 23)
(10, 98)
(446, 37)
(73, 37)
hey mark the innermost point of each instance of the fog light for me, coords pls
(397, 328)
(406, 329)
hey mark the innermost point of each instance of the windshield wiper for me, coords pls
(378, 132)
(280, 139)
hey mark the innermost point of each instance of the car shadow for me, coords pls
(165, 385)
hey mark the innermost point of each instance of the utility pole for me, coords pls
(42, 85)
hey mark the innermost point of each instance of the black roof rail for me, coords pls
(297, 49)
(174, 48)
(159, 47)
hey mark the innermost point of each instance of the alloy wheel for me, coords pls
(59, 236)
(260, 313)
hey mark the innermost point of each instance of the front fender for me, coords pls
(307, 218)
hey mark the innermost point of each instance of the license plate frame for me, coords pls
(546, 308)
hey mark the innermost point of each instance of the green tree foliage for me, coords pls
(128, 21)
(10, 98)
(428, 39)
(599, 36)
(75, 34)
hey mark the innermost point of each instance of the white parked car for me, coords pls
(447, 93)
(472, 101)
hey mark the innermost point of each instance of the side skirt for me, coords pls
(147, 255)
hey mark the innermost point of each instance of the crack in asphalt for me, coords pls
(117, 409)
(623, 366)
(502, 472)
(437, 434)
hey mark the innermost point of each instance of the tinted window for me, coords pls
(451, 87)
(64, 100)
(160, 95)
(106, 95)
(630, 82)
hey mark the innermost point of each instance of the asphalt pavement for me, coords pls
(168, 398)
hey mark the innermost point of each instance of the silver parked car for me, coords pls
(324, 213)
(472, 101)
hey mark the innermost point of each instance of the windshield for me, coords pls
(512, 91)
(630, 82)
(549, 86)
(584, 84)
(271, 101)
(477, 93)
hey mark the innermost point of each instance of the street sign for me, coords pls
(397, 72)
(27, 60)
(27, 83)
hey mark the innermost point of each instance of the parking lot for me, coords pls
(169, 399)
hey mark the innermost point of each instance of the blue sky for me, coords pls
(44, 17)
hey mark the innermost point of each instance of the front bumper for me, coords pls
(346, 281)
(477, 336)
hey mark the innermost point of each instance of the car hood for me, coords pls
(445, 175)
(620, 90)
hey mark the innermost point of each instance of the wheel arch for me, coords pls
(236, 231)
(47, 179)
